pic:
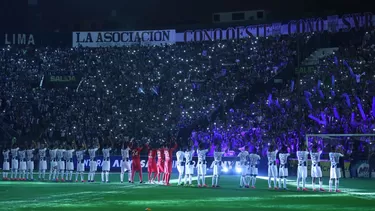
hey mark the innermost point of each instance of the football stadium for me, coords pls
(197, 105)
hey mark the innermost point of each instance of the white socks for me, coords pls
(203, 179)
(298, 181)
(105, 176)
(179, 178)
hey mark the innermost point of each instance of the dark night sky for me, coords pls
(67, 14)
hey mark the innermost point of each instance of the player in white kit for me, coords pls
(22, 167)
(93, 164)
(30, 163)
(80, 163)
(244, 166)
(6, 163)
(42, 162)
(53, 164)
(125, 163)
(253, 168)
(335, 172)
(60, 163)
(180, 155)
(283, 168)
(302, 156)
(68, 156)
(189, 166)
(14, 170)
(272, 167)
(217, 166)
(106, 167)
(202, 165)
(316, 171)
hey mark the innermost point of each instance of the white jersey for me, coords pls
(302, 157)
(60, 154)
(42, 153)
(125, 153)
(189, 155)
(243, 157)
(253, 159)
(106, 153)
(334, 157)
(283, 157)
(14, 153)
(29, 154)
(52, 154)
(22, 155)
(79, 155)
(180, 156)
(92, 153)
(218, 156)
(69, 154)
(6, 154)
(315, 157)
(272, 157)
(202, 155)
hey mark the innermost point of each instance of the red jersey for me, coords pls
(152, 154)
(160, 154)
(168, 152)
(136, 153)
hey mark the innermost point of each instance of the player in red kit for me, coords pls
(168, 152)
(160, 164)
(151, 164)
(136, 160)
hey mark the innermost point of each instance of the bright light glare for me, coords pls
(225, 170)
(238, 170)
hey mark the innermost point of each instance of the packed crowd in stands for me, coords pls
(329, 100)
(155, 91)
(141, 91)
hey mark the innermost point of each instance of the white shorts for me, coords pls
(202, 169)
(14, 164)
(6, 166)
(42, 165)
(80, 166)
(61, 165)
(272, 171)
(69, 166)
(30, 165)
(216, 168)
(283, 171)
(244, 169)
(316, 171)
(125, 165)
(253, 170)
(335, 173)
(189, 169)
(93, 166)
(106, 165)
(302, 172)
(23, 166)
(53, 165)
(180, 167)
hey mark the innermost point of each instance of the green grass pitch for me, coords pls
(358, 195)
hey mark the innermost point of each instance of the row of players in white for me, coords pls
(248, 163)
(250, 171)
(60, 160)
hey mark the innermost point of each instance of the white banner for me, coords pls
(123, 38)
